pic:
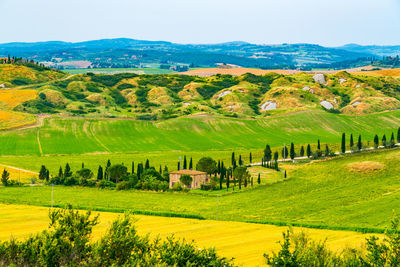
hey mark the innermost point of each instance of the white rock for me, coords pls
(187, 104)
(2, 85)
(319, 78)
(268, 105)
(341, 80)
(326, 104)
(231, 107)
(311, 91)
(306, 88)
(357, 86)
(335, 101)
(224, 93)
(356, 103)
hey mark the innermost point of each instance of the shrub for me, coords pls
(124, 185)
(104, 184)
(177, 187)
(71, 181)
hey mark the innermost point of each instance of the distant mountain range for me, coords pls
(125, 52)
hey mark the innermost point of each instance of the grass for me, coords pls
(324, 194)
(245, 242)
(121, 70)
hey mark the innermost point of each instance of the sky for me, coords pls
(325, 22)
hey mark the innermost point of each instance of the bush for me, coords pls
(104, 184)
(177, 187)
(68, 181)
(207, 187)
(124, 185)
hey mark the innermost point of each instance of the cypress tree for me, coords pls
(276, 156)
(259, 179)
(108, 165)
(351, 141)
(302, 151)
(308, 151)
(285, 152)
(191, 164)
(42, 173)
(83, 165)
(392, 142)
(251, 181)
(233, 160)
(179, 165)
(100, 173)
(133, 167)
(184, 163)
(250, 158)
(240, 160)
(267, 153)
(160, 171)
(47, 175)
(359, 143)
(147, 165)
(285, 174)
(60, 173)
(67, 171)
(219, 167)
(343, 143)
(227, 179)
(384, 141)
(292, 152)
(319, 145)
(139, 170)
(376, 141)
(398, 135)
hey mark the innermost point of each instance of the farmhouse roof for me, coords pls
(188, 172)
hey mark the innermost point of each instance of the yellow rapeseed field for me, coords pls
(12, 98)
(245, 242)
(380, 73)
(20, 175)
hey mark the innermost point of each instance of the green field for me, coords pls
(93, 141)
(322, 194)
(121, 70)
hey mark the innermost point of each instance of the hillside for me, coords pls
(150, 97)
(128, 53)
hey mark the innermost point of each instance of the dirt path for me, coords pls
(39, 144)
(18, 169)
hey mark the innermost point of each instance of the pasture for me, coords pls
(322, 194)
(245, 242)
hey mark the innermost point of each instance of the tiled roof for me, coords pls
(188, 172)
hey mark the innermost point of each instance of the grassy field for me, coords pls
(326, 194)
(121, 70)
(186, 134)
(245, 242)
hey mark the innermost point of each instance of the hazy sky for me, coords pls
(326, 22)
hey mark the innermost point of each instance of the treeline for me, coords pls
(69, 242)
(144, 177)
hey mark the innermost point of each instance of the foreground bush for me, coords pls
(67, 243)
(300, 250)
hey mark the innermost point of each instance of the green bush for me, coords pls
(104, 184)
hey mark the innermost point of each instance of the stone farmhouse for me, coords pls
(198, 177)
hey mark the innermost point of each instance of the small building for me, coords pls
(199, 178)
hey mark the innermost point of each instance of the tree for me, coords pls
(351, 141)
(252, 183)
(219, 167)
(83, 165)
(240, 160)
(267, 153)
(139, 170)
(327, 151)
(133, 167)
(227, 178)
(376, 141)
(276, 156)
(319, 145)
(309, 152)
(85, 173)
(250, 158)
(184, 163)
(100, 173)
(191, 164)
(233, 160)
(285, 176)
(241, 174)
(60, 173)
(302, 151)
(343, 143)
(284, 152)
(67, 171)
(147, 164)
(186, 180)
(117, 172)
(5, 177)
(108, 165)
(179, 165)
(259, 179)
(392, 142)
(359, 143)
(384, 144)
(43, 173)
(292, 152)
(206, 164)
(398, 135)
(160, 171)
